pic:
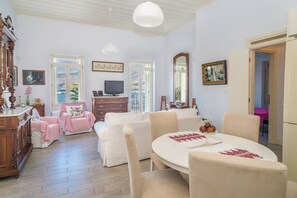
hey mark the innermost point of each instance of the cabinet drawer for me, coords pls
(102, 111)
(100, 118)
(103, 105)
(110, 106)
(111, 100)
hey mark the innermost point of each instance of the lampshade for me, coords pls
(148, 14)
(110, 49)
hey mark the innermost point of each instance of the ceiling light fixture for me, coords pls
(109, 48)
(148, 14)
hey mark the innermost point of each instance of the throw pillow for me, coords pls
(35, 115)
(75, 111)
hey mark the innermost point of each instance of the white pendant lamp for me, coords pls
(148, 14)
(109, 48)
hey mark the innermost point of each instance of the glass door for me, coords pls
(141, 89)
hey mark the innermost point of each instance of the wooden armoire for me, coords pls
(15, 127)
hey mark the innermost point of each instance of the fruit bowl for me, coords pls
(207, 127)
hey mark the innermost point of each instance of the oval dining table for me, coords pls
(173, 148)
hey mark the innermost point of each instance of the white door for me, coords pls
(290, 95)
(289, 150)
(141, 86)
(238, 81)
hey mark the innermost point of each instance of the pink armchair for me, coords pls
(73, 122)
(45, 131)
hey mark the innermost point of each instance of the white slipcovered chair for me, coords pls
(155, 184)
(242, 125)
(217, 175)
(111, 144)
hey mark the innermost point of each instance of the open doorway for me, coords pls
(268, 91)
(261, 100)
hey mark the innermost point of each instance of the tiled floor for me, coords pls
(70, 167)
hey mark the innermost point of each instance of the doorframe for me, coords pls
(254, 44)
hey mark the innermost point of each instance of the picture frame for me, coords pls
(214, 73)
(15, 74)
(101, 66)
(95, 93)
(33, 77)
(100, 93)
(5, 105)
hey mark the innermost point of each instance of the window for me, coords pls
(141, 86)
(67, 83)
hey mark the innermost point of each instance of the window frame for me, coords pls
(54, 103)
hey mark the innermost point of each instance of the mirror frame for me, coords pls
(187, 75)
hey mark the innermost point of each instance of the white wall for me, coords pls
(181, 40)
(223, 27)
(260, 57)
(6, 9)
(39, 38)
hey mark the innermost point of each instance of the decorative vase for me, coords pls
(27, 100)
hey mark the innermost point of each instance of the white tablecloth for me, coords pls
(174, 153)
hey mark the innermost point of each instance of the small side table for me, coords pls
(40, 108)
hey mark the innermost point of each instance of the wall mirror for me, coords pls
(181, 78)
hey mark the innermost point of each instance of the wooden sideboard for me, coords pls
(39, 108)
(104, 104)
(15, 140)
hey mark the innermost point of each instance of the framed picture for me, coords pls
(5, 105)
(33, 77)
(95, 93)
(100, 93)
(214, 73)
(15, 74)
(100, 66)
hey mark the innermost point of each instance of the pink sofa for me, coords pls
(71, 124)
(45, 131)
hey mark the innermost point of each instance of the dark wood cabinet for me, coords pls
(15, 128)
(40, 108)
(7, 42)
(103, 105)
(15, 141)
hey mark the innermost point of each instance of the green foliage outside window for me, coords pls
(177, 94)
(74, 92)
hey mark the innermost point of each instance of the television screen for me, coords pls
(113, 87)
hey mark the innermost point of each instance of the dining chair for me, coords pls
(166, 183)
(224, 176)
(162, 122)
(242, 125)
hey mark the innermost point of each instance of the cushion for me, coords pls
(146, 116)
(75, 111)
(185, 113)
(122, 118)
(35, 115)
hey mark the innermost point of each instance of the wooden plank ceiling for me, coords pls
(176, 12)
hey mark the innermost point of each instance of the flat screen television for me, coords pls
(113, 87)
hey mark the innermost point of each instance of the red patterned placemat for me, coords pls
(187, 137)
(241, 153)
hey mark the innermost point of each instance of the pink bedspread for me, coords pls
(49, 127)
(262, 112)
(77, 124)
